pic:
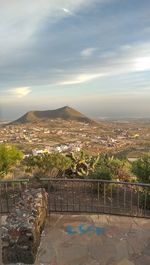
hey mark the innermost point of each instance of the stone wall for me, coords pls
(22, 229)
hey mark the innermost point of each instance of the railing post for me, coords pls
(145, 198)
(131, 206)
(104, 196)
(138, 202)
(98, 190)
(111, 203)
(48, 197)
(124, 198)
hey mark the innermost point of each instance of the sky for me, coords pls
(92, 55)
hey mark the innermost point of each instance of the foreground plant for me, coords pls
(10, 156)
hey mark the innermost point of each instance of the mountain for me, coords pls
(65, 113)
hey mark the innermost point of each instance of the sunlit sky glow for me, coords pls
(93, 55)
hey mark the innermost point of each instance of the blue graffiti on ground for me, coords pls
(82, 229)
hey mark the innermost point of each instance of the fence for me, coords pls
(83, 196)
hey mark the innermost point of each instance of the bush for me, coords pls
(101, 173)
(9, 157)
(141, 168)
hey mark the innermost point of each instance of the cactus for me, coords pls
(82, 163)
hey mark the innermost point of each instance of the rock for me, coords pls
(22, 229)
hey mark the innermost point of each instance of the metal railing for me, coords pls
(83, 196)
(10, 192)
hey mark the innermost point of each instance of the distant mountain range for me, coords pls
(65, 113)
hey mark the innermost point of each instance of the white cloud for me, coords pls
(19, 20)
(87, 52)
(142, 63)
(125, 60)
(20, 92)
(81, 78)
(67, 11)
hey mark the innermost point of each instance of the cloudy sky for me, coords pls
(93, 55)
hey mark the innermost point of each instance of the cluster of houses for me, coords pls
(70, 147)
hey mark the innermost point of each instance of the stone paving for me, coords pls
(94, 240)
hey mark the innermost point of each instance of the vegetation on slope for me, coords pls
(74, 165)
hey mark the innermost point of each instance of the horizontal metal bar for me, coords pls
(14, 180)
(80, 180)
(97, 180)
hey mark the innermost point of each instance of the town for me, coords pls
(65, 136)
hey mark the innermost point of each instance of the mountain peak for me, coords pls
(64, 113)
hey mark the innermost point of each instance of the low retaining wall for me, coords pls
(22, 229)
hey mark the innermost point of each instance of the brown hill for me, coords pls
(65, 113)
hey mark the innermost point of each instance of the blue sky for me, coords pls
(93, 55)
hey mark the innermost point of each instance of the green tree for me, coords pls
(109, 167)
(102, 170)
(141, 168)
(121, 169)
(47, 164)
(9, 157)
(61, 162)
